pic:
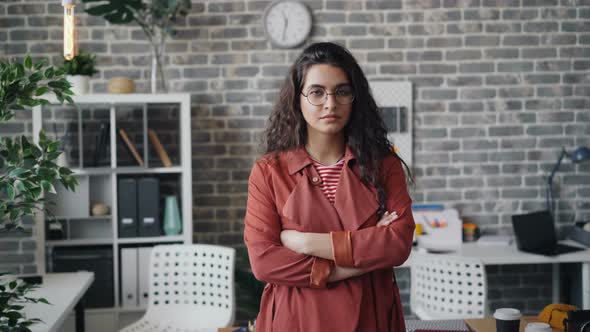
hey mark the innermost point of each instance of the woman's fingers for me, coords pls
(387, 218)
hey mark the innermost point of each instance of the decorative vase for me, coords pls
(80, 84)
(172, 222)
(157, 45)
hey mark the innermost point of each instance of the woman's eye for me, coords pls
(316, 92)
(343, 92)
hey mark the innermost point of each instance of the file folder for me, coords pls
(127, 207)
(143, 276)
(148, 196)
(129, 277)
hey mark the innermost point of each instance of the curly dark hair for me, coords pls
(365, 133)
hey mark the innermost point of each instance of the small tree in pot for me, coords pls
(155, 17)
(27, 170)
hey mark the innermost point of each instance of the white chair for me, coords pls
(191, 288)
(447, 287)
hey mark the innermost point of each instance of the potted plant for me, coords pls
(155, 18)
(27, 170)
(79, 70)
(248, 288)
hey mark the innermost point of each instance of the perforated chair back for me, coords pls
(447, 287)
(191, 287)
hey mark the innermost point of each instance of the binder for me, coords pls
(129, 277)
(101, 140)
(148, 196)
(143, 276)
(127, 206)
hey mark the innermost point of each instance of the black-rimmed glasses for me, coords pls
(318, 96)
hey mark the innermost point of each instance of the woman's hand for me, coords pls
(293, 240)
(387, 218)
(314, 244)
(319, 244)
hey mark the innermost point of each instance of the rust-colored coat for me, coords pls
(284, 193)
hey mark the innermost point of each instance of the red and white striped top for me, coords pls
(330, 177)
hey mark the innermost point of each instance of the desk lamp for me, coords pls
(581, 154)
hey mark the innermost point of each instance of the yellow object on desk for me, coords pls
(419, 229)
(555, 313)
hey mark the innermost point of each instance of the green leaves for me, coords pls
(17, 172)
(81, 64)
(150, 15)
(28, 62)
(41, 91)
(12, 301)
(115, 11)
(22, 83)
(28, 170)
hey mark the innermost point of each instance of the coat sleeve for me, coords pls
(271, 262)
(376, 247)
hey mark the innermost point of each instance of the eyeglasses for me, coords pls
(318, 96)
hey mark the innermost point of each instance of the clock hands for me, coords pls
(285, 25)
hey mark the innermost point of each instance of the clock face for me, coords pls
(287, 23)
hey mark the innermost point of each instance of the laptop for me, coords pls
(535, 233)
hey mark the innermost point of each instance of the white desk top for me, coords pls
(63, 291)
(500, 255)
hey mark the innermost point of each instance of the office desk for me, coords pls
(64, 291)
(475, 324)
(489, 324)
(504, 255)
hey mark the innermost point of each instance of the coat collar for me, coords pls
(298, 158)
(355, 203)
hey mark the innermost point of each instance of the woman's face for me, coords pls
(327, 116)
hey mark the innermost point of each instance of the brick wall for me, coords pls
(500, 87)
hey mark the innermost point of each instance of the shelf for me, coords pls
(130, 98)
(130, 309)
(106, 217)
(93, 171)
(156, 239)
(127, 170)
(78, 242)
(167, 114)
(151, 170)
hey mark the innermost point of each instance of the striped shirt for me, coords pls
(330, 177)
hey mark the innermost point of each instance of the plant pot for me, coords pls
(80, 84)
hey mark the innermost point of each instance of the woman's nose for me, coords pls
(330, 101)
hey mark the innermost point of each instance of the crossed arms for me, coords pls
(292, 258)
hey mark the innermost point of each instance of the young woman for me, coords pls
(328, 213)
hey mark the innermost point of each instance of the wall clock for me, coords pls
(287, 23)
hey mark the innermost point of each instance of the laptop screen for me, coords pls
(534, 230)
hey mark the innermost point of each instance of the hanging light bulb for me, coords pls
(69, 29)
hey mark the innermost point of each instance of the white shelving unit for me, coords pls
(104, 182)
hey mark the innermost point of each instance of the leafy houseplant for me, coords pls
(79, 70)
(27, 170)
(248, 288)
(12, 300)
(155, 17)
